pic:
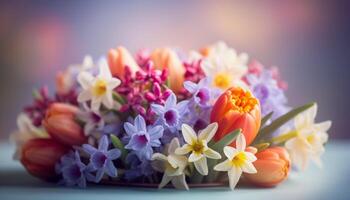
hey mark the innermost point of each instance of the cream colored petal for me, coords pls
(159, 156)
(85, 79)
(174, 144)
(107, 100)
(230, 152)
(233, 175)
(195, 157)
(249, 168)
(104, 72)
(323, 126)
(179, 182)
(84, 95)
(202, 166)
(208, 133)
(189, 134)
(177, 161)
(250, 157)
(185, 149)
(96, 104)
(210, 153)
(223, 166)
(165, 180)
(240, 142)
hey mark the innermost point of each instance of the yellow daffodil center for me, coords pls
(222, 80)
(239, 159)
(198, 147)
(241, 100)
(100, 87)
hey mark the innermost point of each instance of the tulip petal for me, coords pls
(234, 174)
(183, 150)
(223, 166)
(210, 153)
(209, 132)
(188, 133)
(202, 166)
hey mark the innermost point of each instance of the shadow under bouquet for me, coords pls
(164, 118)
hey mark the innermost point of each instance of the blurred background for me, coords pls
(308, 40)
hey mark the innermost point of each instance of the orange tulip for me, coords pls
(39, 157)
(167, 58)
(237, 109)
(273, 166)
(119, 58)
(61, 125)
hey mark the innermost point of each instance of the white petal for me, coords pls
(234, 174)
(188, 134)
(113, 83)
(250, 157)
(179, 182)
(85, 79)
(249, 168)
(159, 156)
(107, 100)
(84, 95)
(230, 152)
(195, 157)
(223, 166)
(240, 142)
(202, 166)
(210, 153)
(165, 180)
(104, 72)
(183, 150)
(174, 144)
(323, 126)
(209, 132)
(96, 104)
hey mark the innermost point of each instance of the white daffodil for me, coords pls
(98, 89)
(309, 140)
(197, 146)
(224, 66)
(26, 131)
(172, 165)
(238, 161)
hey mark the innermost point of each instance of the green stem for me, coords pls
(282, 138)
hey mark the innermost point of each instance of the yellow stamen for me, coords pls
(222, 81)
(239, 159)
(198, 147)
(100, 87)
(243, 100)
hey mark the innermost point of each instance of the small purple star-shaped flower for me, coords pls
(170, 115)
(143, 138)
(101, 159)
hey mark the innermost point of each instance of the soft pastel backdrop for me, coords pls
(309, 41)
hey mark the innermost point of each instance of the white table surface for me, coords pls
(331, 182)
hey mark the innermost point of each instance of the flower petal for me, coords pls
(159, 156)
(183, 150)
(210, 153)
(230, 152)
(179, 182)
(170, 102)
(240, 142)
(158, 109)
(234, 174)
(223, 166)
(195, 157)
(165, 180)
(84, 96)
(249, 168)
(85, 79)
(140, 123)
(103, 144)
(89, 149)
(156, 132)
(174, 144)
(188, 133)
(202, 166)
(111, 170)
(209, 132)
(190, 86)
(129, 128)
(113, 154)
(99, 175)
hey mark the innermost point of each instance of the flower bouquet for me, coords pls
(164, 118)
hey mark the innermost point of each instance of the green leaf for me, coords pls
(118, 98)
(262, 146)
(225, 141)
(269, 129)
(265, 119)
(119, 145)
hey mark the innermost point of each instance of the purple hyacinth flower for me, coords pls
(73, 171)
(271, 97)
(203, 95)
(138, 167)
(101, 159)
(142, 138)
(170, 115)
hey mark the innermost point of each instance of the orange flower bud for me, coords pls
(273, 166)
(165, 58)
(119, 58)
(61, 125)
(237, 109)
(39, 157)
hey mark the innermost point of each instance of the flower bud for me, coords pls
(272, 165)
(39, 157)
(61, 125)
(119, 58)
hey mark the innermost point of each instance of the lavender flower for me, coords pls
(203, 95)
(170, 115)
(271, 97)
(74, 172)
(142, 138)
(101, 159)
(138, 167)
(92, 120)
